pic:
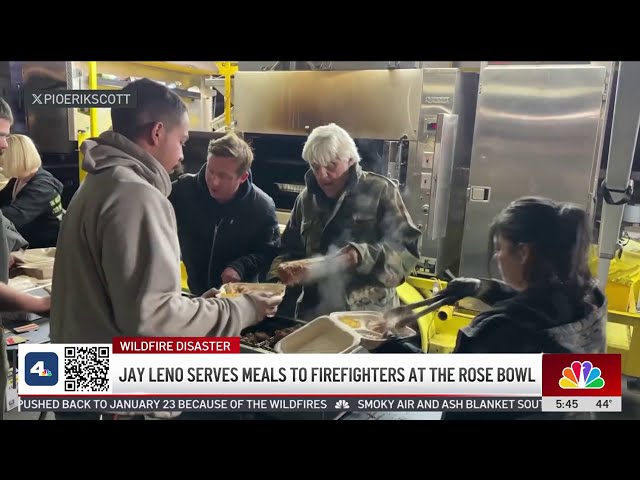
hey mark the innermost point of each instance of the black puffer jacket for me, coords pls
(534, 321)
(242, 234)
(37, 210)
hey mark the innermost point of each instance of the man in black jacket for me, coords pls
(227, 226)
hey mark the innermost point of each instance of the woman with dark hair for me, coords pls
(548, 301)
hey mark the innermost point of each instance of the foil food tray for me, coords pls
(268, 328)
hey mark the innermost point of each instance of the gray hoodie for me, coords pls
(117, 266)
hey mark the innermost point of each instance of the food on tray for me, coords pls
(288, 271)
(295, 266)
(381, 327)
(231, 290)
(352, 322)
(254, 339)
(371, 335)
(236, 289)
(378, 326)
(301, 270)
(229, 295)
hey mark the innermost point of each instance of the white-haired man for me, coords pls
(358, 216)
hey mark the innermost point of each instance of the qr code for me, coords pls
(86, 369)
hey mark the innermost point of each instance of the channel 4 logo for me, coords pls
(41, 369)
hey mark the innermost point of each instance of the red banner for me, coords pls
(176, 345)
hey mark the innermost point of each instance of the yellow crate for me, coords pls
(440, 329)
(623, 337)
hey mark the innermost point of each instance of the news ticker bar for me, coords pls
(319, 404)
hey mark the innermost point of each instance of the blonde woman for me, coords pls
(32, 198)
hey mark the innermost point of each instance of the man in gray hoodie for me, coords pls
(117, 266)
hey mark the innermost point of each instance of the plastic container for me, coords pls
(235, 289)
(363, 319)
(322, 335)
(370, 339)
(370, 326)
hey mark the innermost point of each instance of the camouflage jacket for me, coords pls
(370, 215)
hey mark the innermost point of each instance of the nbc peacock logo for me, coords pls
(581, 375)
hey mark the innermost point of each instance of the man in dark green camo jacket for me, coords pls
(359, 219)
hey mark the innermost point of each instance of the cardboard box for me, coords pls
(36, 263)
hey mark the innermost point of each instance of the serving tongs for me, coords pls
(404, 315)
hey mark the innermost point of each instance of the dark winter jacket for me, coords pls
(536, 321)
(533, 321)
(371, 217)
(242, 234)
(37, 210)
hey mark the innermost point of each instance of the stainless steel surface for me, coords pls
(391, 159)
(48, 127)
(394, 154)
(446, 92)
(606, 118)
(536, 133)
(439, 90)
(443, 169)
(624, 136)
(373, 104)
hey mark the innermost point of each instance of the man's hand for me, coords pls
(230, 275)
(266, 303)
(41, 305)
(350, 255)
(211, 293)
